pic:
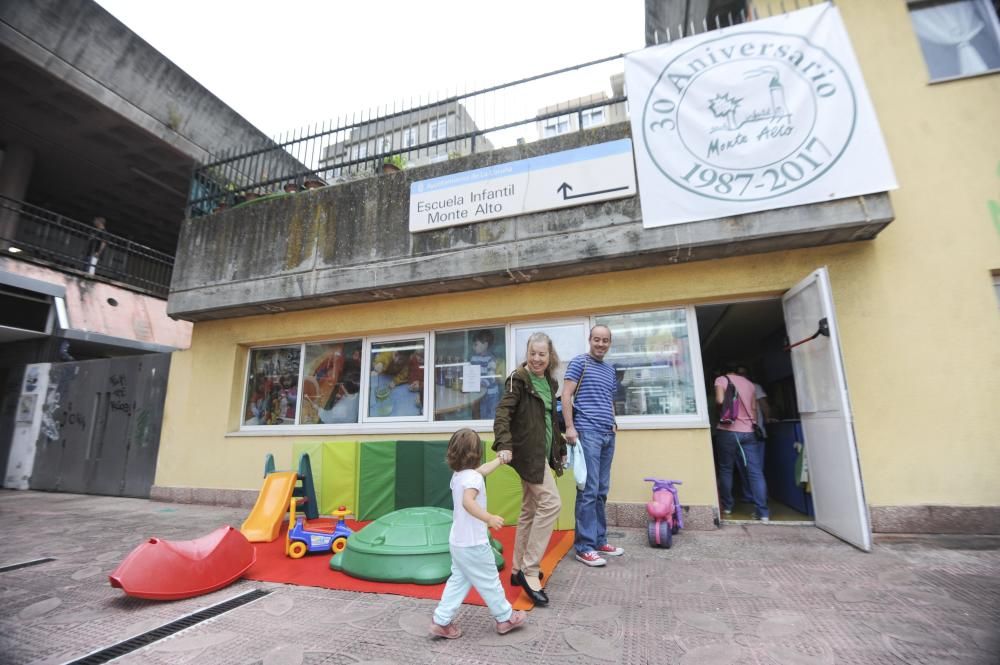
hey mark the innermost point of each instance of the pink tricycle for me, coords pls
(665, 518)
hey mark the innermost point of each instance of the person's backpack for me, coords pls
(730, 409)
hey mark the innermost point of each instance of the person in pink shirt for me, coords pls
(736, 444)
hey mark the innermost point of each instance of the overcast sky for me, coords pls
(285, 65)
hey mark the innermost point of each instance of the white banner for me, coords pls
(766, 114)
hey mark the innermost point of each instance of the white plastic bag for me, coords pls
(576, 462)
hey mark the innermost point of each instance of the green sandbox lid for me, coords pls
(409, 545)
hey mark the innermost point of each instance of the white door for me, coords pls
(827, 424)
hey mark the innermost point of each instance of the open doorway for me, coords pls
(752, 336)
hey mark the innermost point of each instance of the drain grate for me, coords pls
(25, 564)
(166, 630)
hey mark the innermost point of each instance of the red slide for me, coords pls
(170, 570)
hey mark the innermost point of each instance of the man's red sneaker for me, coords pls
(591, 558)
(610, 550)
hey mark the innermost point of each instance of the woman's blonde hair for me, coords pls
(465, 450)
(553, 356)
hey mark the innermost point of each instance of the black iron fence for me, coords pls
(414, 132)
(439, 127)
(41, 236)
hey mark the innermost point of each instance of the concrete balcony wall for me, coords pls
(351, 243)
(82, 44)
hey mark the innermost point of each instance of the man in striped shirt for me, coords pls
(590, 422)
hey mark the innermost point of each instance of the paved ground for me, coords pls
(765, 595)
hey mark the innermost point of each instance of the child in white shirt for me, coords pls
(472, 561)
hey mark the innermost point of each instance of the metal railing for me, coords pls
(415, 132)
(41, 236)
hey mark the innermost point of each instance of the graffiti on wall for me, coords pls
(119, 394)
(143, 433)
(72, 417)
(50, 426)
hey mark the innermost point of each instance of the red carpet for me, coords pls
(314, 569)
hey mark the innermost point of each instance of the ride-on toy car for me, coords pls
(665, 517)
(301, 538)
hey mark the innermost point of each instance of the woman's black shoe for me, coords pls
(513, 577)
(537, 597)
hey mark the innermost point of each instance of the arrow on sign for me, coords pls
(566, 187)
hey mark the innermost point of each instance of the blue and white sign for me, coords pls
(558, 180)
(766, 114)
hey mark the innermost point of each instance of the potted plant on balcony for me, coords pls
(393, 164)
(313, 182)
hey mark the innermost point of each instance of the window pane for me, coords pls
(272, 386)
(438, 129)
(481, 351)
(957, 38)
(397, 379)
(651, 352)
(569, 340)
(330, 388)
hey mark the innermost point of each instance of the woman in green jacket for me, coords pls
(527, 438)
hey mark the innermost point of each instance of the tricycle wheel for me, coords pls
(651, 533)
(338, 545)
(666, 534)
(297, 549)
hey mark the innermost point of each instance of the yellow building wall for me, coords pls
(919, 322)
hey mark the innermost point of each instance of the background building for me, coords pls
(590, 111)
(94, 123)
(440, 130)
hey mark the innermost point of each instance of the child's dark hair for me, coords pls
(484, 336)
(465, 450)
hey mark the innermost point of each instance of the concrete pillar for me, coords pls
(15, 174)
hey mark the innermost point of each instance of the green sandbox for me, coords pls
(408, 546)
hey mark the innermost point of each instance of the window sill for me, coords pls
(353, 429)
(962, 77)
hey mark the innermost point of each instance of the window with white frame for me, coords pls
(556, 126)
(370, 382)
(592, 117)
(569, 339)
(385, 144)
(272, 386)
(410, 137)
(396, 379)
(361, 151)
(651, 352)
(438, 129)
(469, 371)
(331, 383)
(958, 38)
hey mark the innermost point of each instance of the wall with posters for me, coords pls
(916, 308)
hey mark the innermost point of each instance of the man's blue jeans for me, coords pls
(591, 523)
(728, 447)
